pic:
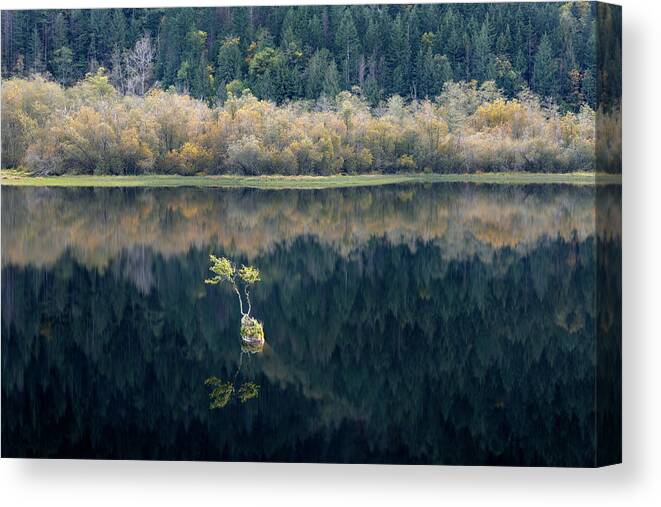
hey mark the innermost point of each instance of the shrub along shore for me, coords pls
(92, 129)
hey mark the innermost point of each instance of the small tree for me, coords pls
(252, 331)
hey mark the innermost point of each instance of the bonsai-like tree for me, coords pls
(252, 331)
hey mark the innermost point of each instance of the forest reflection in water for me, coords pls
(407, 324)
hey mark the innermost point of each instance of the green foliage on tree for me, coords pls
(320, 65)
(62, 61)
(223, 268)
(230, 62)
(385, 50)
(249, 274)
(544, 77)
(483, 60)
(346, 43)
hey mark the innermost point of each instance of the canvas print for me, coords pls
(383, 234)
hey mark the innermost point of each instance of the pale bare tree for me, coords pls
(138, 64)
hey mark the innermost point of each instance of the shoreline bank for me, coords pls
(10, 178)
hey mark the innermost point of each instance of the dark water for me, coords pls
(449, 324)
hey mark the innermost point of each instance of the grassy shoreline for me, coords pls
(15, 178)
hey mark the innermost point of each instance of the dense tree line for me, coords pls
(284, 53)
(92, 128)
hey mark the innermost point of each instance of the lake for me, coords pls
(431, 324)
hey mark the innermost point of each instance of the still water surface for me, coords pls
(448, 324)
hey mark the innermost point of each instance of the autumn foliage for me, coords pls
(91, 128)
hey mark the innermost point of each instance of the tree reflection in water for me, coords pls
(223, 391)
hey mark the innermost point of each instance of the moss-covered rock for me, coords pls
(252, 335)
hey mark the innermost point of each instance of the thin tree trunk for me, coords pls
(236, 289)
(245, 289)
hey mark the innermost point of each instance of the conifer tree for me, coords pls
(346, 42)
(544, 70)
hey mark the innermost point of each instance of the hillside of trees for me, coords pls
(311, 90)
(295, 52)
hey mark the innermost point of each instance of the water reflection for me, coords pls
(223, 391)
(99, 225)
(443, 324)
